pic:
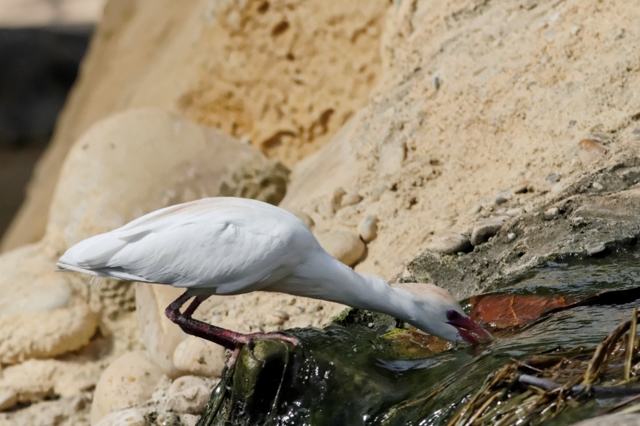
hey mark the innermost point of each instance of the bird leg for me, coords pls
(229, 339)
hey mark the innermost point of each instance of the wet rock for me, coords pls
(187, 394)
(350, 200)
(590, 150)
(345, 246)
(368, 228)
(631, 419)
(199, 357)
(450, 244)
(551, 213)
(595, 248)
(485, 230)
(128, 381)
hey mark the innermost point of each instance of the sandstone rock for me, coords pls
(302, 216)
(590, 151)
(368, 228)
(450, 243)
(52, 310)
(485, 230)
(58, 331)
(129, 380)
(36, 379)
(343, 245)
(159, 335)
(170, 160)
(188, 394)
(241, 97)
(199, 357)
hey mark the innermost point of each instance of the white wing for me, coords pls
(225, 245)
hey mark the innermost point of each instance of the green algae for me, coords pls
(365, 369)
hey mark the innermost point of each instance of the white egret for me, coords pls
(227, 246)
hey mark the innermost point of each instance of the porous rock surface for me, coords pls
(281, 74)
(433, 117)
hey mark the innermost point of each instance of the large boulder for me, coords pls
(123, 167)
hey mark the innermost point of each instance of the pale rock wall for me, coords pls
(477, 98)
(282, 74)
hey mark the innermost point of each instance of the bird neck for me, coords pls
(336, 282)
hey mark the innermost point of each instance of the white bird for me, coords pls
(227, 246)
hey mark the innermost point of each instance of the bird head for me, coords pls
(436, 312)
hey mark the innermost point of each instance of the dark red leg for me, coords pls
(227, 338)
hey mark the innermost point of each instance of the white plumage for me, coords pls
(232, 246)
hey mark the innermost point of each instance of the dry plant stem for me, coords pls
(598, 361)
(632, 342)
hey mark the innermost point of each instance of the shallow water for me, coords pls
(351, 375)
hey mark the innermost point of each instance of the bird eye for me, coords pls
(453, 315)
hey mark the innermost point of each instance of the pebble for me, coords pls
(345, 246)
(590, 150)
(502, 197)
(522, 188)
(8, 399)
(350, 200)
(511, 236)
(485, 230)
(303, 217)
(475, 209)
(595, 248)
(551, 213)
(450, 244)
(335, 201)
(199, 357)
(277, 317)
(188, 394)
(368, 228)
(598, 186)
(514, 212)
(553, 177)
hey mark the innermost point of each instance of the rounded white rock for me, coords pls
(345, 246)
(127, 381)
(199, 357)
(368, 228)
